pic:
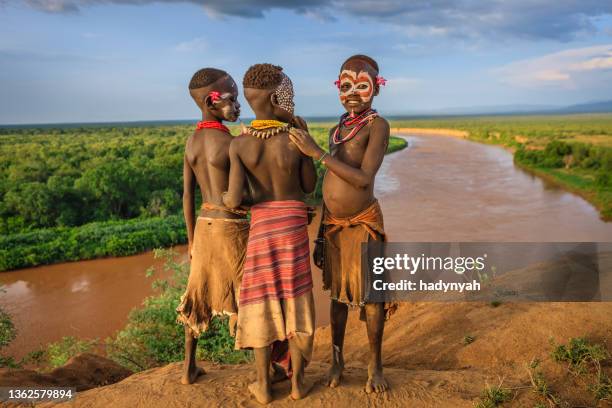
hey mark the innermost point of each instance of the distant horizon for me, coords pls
(73, 61)
(556, 111)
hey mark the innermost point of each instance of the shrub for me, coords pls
(152, 337)
(59, 352)
(7, 335)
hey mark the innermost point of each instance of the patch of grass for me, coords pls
(496, 303)
(584, 360)
(602, 389)
(468, 339)
(540, 385)
(493, 397)
(579, 354)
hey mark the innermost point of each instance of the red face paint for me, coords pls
(356, 84)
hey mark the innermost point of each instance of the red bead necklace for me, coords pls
(212, 124)
(355, 124)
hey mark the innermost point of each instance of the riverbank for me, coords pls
(435, 355)
(476, 190)
(441, 355)
(571, 151)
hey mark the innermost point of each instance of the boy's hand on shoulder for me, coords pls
(305, 143)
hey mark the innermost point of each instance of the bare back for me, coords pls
(207, 155)
(273, 167)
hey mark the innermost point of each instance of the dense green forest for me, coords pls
(70, 177)
(68, 193)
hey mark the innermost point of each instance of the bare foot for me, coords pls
(277, 373)
(335, 374)
(299, 389)
(262, 394)
(376, 382)
(192, 374)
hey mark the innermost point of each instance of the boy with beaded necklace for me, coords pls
(351, 214)
(276, 302)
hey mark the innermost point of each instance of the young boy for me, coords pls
(351, 212)
(217, 240)
(276, 300)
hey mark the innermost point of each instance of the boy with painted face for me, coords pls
(351, 212)
(276, 300)
(217, 239)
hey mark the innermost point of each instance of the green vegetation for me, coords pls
(539, 384)
(152, 337)
(97, 239)
(573, 151)
(88, 192)
(584, 360)
(7, 335)
(58, 353)
(579, 354)
(494, 396)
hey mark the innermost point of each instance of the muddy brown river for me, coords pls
(439, 189)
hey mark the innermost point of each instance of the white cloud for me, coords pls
(576, 67)
(197, 44)
(562, 20)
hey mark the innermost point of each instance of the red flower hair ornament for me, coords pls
(214, 96)
(381, 81)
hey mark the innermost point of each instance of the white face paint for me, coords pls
(353, 83)
(284, 95)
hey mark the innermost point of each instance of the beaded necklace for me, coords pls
(355, 124)
(212, 124)
(265, 128)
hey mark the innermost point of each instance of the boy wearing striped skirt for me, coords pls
(276, 302)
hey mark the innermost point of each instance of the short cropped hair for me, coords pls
(205, 77)
(364, 58)
(263, 76)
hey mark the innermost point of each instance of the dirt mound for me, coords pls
(225, 386)
(436, 355)
(83, 372)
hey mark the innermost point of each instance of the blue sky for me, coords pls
(119, 60)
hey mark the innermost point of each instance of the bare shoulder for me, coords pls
(240, 143)
(190, 138)
(189, 142)
(380, 124)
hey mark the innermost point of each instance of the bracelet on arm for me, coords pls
(322, 157)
